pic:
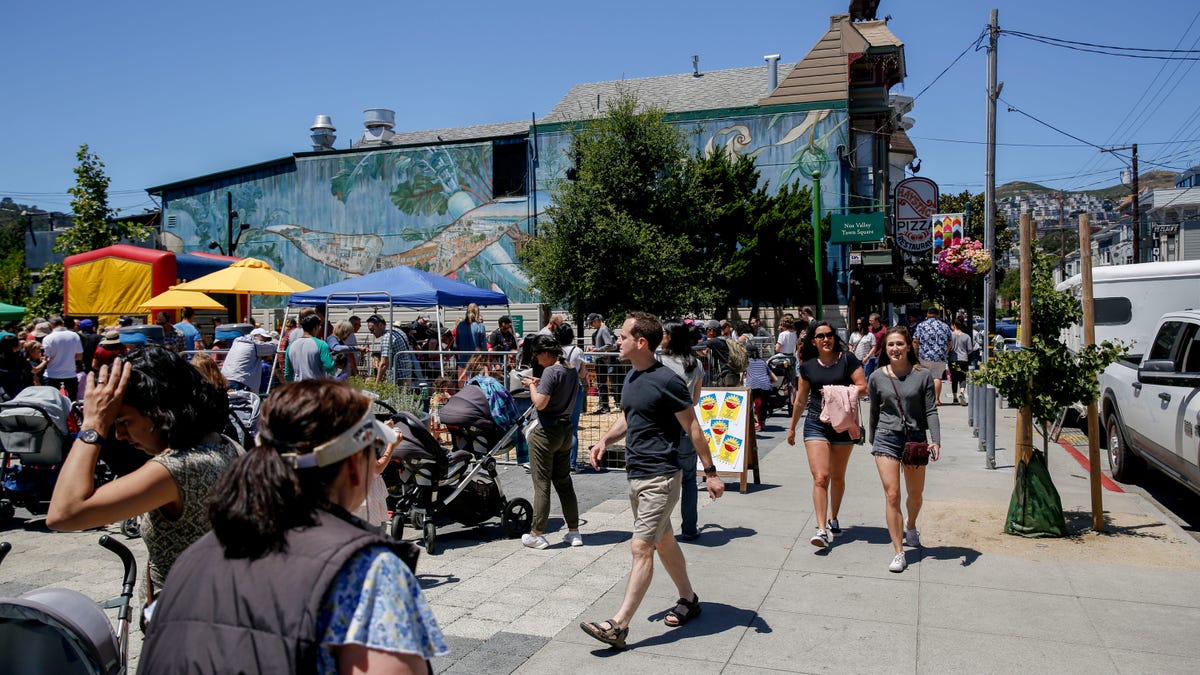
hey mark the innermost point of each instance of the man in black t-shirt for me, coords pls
(655, 405)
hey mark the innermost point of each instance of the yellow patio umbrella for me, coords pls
(174, 298)
(249, 276)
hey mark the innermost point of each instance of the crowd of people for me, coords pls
(230, 519)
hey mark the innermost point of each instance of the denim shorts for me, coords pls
(890, 443)
(816, 430)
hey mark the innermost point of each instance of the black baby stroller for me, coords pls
(36, 429)
(56, 630)
(429, 484)
(783, 395)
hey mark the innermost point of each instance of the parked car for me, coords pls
(1149, 407)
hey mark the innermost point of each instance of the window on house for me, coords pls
(510, 167)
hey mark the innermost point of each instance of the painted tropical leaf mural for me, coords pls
(372, 165)
(420, 195)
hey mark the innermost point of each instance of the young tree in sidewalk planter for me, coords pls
(1047, 377)
(95, 226)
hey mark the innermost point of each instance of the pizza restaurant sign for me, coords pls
(916, 201)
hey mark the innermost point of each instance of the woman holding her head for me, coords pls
(825, 361)
(903, 409)
(155, 401)
(287, 573)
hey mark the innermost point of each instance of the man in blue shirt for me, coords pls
(932, 339)
(191, 335)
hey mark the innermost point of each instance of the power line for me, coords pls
(1109, 50)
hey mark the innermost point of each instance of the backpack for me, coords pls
(738, 359)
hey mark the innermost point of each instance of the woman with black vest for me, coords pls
(288, 580)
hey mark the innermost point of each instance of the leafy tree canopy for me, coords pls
(95, 226)
(648, 225)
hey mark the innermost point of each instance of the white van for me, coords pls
(1130, 299)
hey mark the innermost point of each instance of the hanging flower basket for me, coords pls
(964, 260)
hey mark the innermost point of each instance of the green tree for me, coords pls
(757, 246)
(14, 278)
(621, 236)
(95, 226)
(1047, 376)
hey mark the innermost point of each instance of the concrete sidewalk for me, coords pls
(972, 600)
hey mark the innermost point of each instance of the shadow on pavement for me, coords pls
(605, 537)
(715, 618)
(1079, 523)
(968, 555)
(429, 581)
(712, 535)
(865, 533)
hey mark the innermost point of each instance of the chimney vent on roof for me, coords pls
(379, 123)
(772, 72)
(323, 134)
(695, 65)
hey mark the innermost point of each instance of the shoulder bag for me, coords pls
(916, 453)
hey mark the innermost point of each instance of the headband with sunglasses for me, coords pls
(366, 432)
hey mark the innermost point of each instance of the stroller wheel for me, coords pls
(430, 538)
(131, 528)
(517, 518)
(7, 511)
(396, 531)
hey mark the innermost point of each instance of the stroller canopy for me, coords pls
(26, 419)
(416, 441)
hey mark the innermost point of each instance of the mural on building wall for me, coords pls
(344, 215)
(786, 146)
(349, 214)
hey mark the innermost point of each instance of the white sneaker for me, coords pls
(912, 538)
(898, 563)
(573, 539)
(539, 542)
(821, 539)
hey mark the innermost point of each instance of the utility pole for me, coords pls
(1089, 338)
(1062, 236)
(816, 225)
(1024, 439)
(1137, 211)
(989, 189)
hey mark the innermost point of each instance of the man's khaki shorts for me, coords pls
(653, 500)
(936, 368)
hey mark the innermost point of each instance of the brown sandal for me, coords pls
(674, 619)
(611, 635)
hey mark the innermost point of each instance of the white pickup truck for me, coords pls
(1150, 405)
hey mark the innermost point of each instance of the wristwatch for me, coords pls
(91, 436)
(710, 470)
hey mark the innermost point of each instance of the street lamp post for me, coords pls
(816, 224)
(231, 241)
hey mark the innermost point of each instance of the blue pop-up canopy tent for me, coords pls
(401, 287)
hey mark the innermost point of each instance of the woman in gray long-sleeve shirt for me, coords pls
(902, 395)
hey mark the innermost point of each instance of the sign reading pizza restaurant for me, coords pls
(916, 202)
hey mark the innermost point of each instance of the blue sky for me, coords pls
(166, 91)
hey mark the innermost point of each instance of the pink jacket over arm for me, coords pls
(840, 408)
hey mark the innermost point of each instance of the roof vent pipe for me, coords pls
(323, 134)
(772, 71)
(695, 65)
(379, 123)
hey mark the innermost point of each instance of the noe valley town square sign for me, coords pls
(857, 228)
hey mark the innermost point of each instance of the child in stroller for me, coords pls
(428, 483)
